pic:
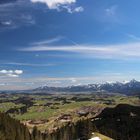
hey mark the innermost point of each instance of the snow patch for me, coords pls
(95, 138)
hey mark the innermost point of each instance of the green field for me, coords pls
(49, 107)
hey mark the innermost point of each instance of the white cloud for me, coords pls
(18, 72)
(53, 4)
(11, 73)
(6, 71)
(3, 71)
(119, 51)
(58, 4)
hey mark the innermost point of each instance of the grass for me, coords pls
(8, 105)
(41, 112)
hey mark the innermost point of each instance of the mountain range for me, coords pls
(129, 88)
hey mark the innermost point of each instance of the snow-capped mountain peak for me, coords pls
(125, 87)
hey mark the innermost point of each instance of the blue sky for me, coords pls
(68, 42)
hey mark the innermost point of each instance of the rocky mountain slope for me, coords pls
(119, 123)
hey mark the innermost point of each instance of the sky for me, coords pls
(68, 42)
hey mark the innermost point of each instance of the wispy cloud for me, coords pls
(74, 10)
(134, 37)
(79, 9)
(48, 41)
(15, 13)
(109, 14)
(28, 64)
(111, 11)
(119, 51)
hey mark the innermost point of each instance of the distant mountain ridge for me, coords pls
(131, 87)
